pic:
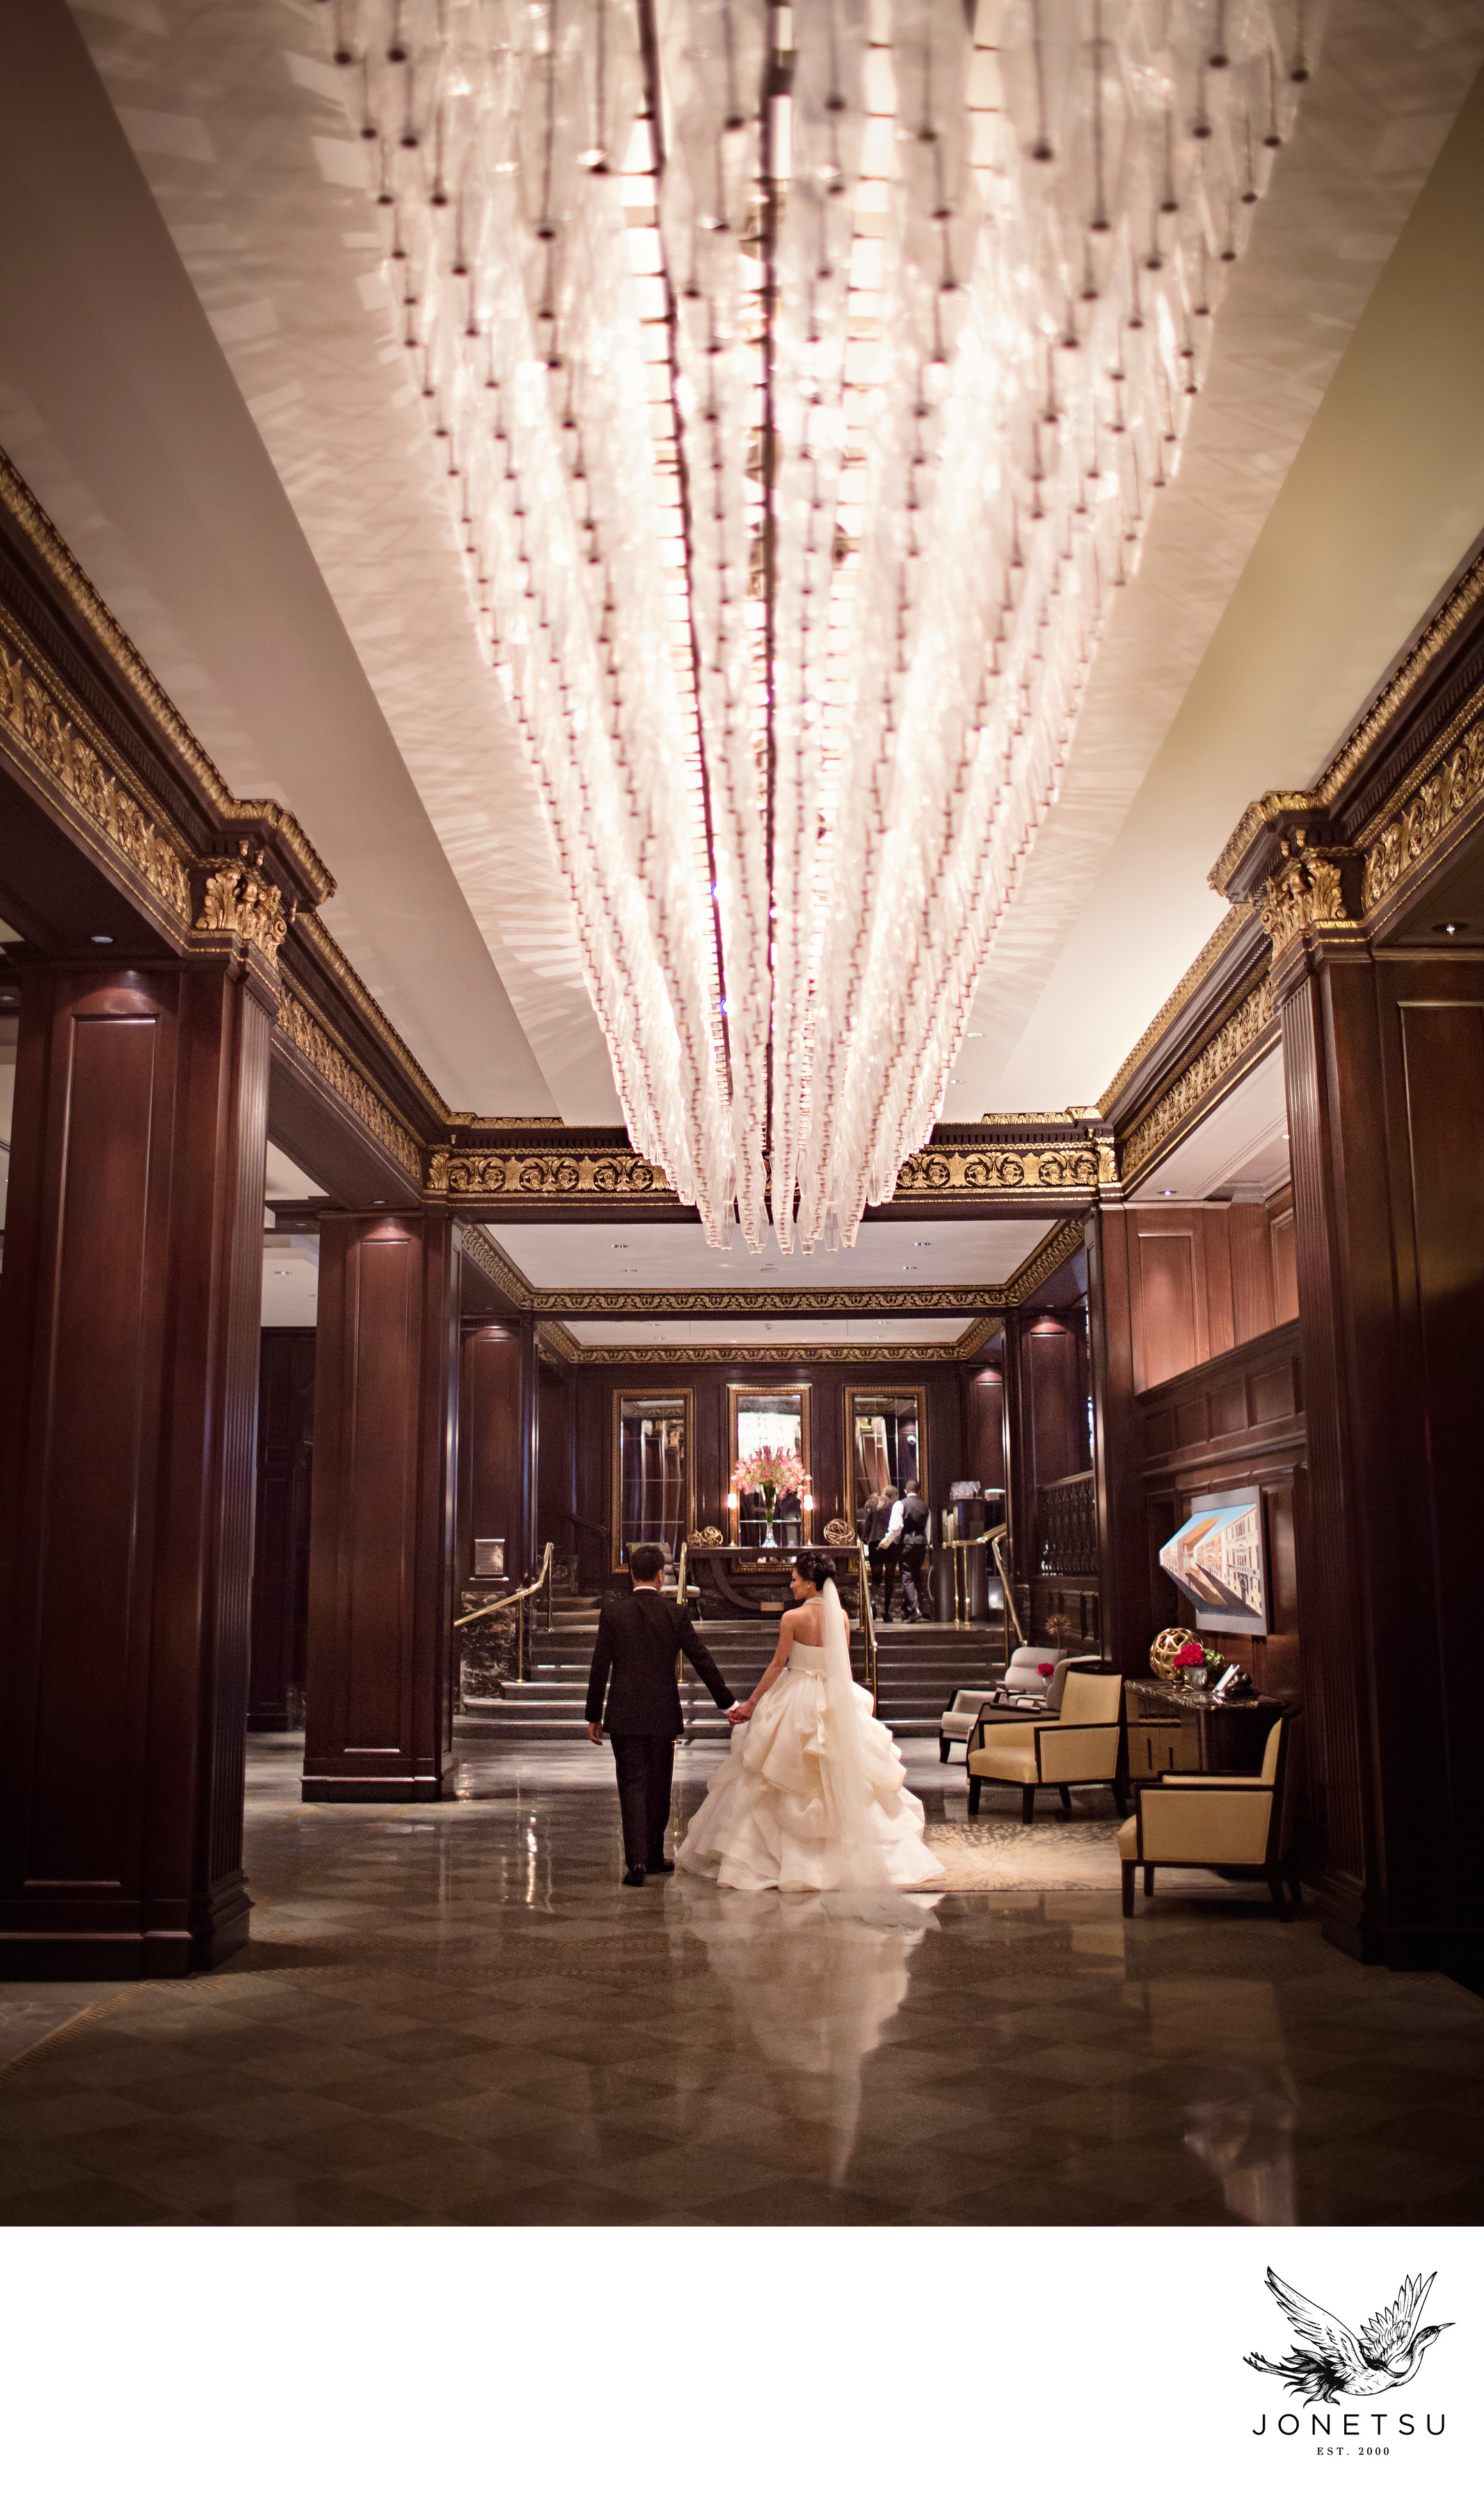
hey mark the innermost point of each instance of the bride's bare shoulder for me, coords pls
(804, 1622)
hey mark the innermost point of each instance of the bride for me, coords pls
(812, 1797)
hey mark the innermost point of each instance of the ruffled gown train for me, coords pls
(802, 1799)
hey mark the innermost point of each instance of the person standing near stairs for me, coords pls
(632, 1695)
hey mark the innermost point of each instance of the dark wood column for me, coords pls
(129, 1312)
(1117, 1455)
(1384, 1056)
(528, 1434)
(379, 1699)
(281, 1540)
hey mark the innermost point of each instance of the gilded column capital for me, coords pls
(1306, 892)
(235, 899)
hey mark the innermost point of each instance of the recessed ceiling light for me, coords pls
(922, 1245)
(1167, 1193)
(973, 1036)
(618, 1245)
(1451, 928)
(379, 1202)
(103, 941)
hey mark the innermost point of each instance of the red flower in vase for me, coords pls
(1190, 1654)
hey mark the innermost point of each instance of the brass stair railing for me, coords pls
(868, 1626)
(516, 1598)
(995, 1540)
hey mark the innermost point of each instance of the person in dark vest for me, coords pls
(884, 1565)
(916, 1519)
(632, 1695)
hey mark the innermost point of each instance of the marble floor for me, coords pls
(456, 2015)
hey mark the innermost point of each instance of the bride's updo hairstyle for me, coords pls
(816, 1568)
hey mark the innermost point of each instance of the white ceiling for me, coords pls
(285, 1178)
(645, 1258)
(291, 1280)
(224, 431)
(1240, 1150)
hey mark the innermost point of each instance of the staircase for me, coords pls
(919, 1667)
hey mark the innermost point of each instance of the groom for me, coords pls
(638, 1637)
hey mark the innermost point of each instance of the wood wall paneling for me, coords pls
(129, 1308)
(282, 1536)
(1442, 1042)
(379, 1699)
(489, 1452)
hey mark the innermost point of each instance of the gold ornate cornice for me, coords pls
(492, 1263)
(324, 1055)
(955, 1173)
(312, 930)
(615, 1179)
(1043, 1261)
(1185, 989)
(17, 499)
(797, 1302)
(504, 1120)
(747, 1358)
(1364, 739)
(559, 1342)
(1433, 641)
(40, 713)
(1247, 1030)
(1436, 793)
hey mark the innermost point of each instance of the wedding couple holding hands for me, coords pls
(812, 1796)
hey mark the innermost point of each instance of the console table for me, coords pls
(753, 1580)
(1173, 1728)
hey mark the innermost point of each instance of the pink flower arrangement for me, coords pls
(770, 1472)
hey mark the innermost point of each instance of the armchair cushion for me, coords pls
(1005, 1759)
(1206, 1827)
(1069, 1754)
(960, 1717)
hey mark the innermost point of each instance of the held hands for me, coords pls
(738, 1711)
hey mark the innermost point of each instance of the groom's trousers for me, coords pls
(646, 1767)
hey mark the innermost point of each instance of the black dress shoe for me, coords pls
(634, 1875)
(661, 1866)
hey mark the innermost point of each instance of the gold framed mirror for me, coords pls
(776, 1419)
(886, 1442)
(654, 1499)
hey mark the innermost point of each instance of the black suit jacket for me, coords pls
(634, 1663)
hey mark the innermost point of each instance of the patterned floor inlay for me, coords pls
(456, 2015)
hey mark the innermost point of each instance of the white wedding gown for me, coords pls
(813, 1798)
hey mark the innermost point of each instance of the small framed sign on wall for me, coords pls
(1217, 1560)
(489, 1558)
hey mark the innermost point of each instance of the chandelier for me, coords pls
(806, 377)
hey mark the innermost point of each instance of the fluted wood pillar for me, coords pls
(129, 1311)
(1384, 1062)
(529, 1434)
(379, 1691)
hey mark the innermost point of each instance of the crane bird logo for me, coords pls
(1330, 2360)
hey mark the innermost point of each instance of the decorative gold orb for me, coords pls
(1163, 1654)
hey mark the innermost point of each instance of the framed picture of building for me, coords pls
(1216, 1559)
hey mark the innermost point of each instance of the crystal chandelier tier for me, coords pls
(806, 378)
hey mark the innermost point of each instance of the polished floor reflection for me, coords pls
(455, 2014)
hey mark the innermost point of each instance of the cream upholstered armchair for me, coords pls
(1080, 1750)
(1243, 1825)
